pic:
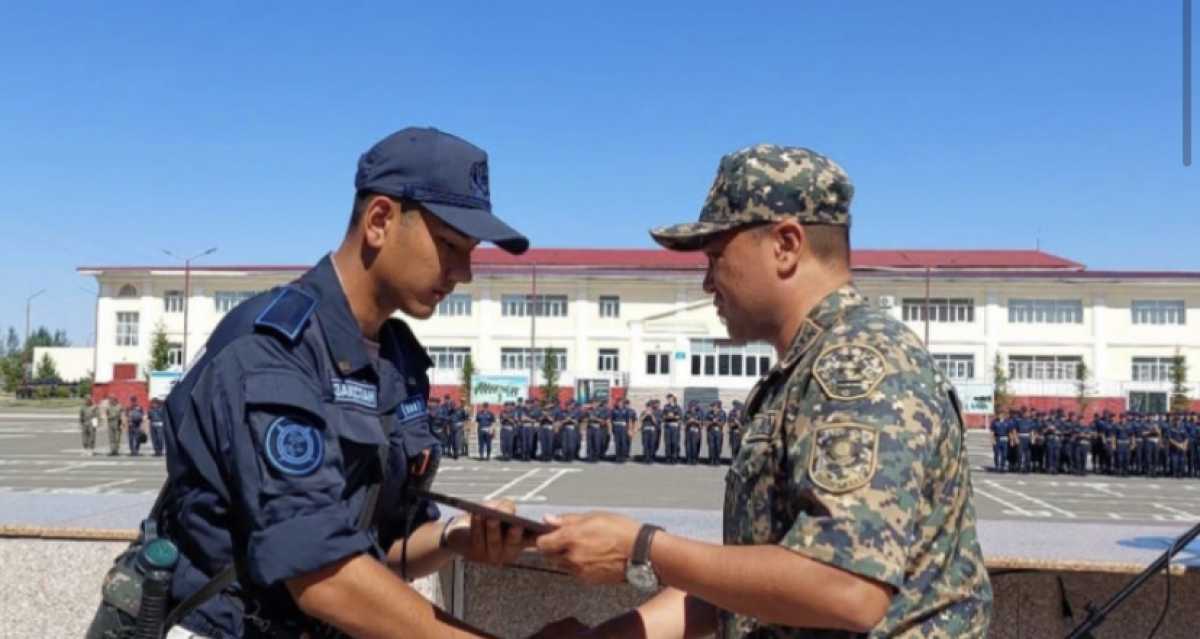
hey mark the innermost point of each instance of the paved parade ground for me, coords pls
(40, 454)
(46, 480)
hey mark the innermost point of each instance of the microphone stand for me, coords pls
(1095, 616)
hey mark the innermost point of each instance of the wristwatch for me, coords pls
(638, 571)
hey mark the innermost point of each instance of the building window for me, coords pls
(127, 329)
(610, 306)
(1159, 312)
(174, 355)
(941, 309)
(173, 302)
(955, 366)
(1152, 369)
(517, 359)
(455, 305)
(526, 305)
(609, 360)
(1044, 367)
(227, 300)
(449, 357)
(658, 363)
(128, 290)
(1022, 311)
(722, 358)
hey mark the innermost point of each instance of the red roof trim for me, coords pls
(658, 259)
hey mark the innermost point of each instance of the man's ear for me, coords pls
(788, 240)
(377, 220)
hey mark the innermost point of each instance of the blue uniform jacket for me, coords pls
(273, 438)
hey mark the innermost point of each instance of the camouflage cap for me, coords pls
(761, 184)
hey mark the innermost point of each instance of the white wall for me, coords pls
(73, 363)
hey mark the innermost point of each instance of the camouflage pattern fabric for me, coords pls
(765, 183)
(874, 480)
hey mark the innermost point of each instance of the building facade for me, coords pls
(639, 320)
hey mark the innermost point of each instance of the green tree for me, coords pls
(160, 350)
(468, 375)
(46, 370)
(1180, 402)
(12, 370)
(12, 343)
(1001, 397)
(1083, 388)
(42, 337)
(549, 376)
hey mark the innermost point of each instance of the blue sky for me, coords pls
(127, 128)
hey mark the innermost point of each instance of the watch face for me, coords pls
(641, 577)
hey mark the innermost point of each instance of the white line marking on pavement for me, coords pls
(502, 489)
(1179, 514)
(1039, 502)
(68, 468)
(1100, 488)
(558, 473)
(111, 484)
(1013, 509)
(1115, 516)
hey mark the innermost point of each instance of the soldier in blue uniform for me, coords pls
(622, 418)
(602, 417)
(572, 424)
(1053, 440)
(714, 421)
(508, 424)
(157, 420)
(1193, 429)
(1025, 426)
(649, 428)
(693, 426)
(1177, 440)
(672, 415)
(546, 432)
(999, 428)
(1122, 444)
(296, 442)
(735, 429)
(458, 429)
(484, 421)
(1037, 443)
(1151, 436)
(529, 435)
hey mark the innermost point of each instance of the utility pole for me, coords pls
(533, 311)
(187, 295)
(28, 303)
(928, 273)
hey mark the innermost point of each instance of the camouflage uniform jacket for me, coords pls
(854, 455)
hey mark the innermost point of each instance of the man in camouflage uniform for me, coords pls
(849, 508)
(87, 426)
(116, 418)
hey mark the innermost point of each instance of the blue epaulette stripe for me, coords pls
(284, 321)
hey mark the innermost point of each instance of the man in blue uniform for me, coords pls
(157, 419)
(1122, 444)
(1000, 428)
(571, 423)
(692, 433)
(508, 422)
(714, 421)
(546, 432)
(1025, 426)
(1053, 440)
(622, 418)
(672, 415)
(458, 429)
(483, 425)
(307, 413)
(735, 429)
(649, 428)
(1193, 429)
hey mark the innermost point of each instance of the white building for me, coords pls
(639, 319)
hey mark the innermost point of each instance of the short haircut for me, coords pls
(362, 198)
(830, 243)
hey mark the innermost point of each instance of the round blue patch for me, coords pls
(294, 448)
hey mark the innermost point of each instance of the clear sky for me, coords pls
(127, 128)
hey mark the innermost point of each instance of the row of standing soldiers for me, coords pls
(136, 422)
(1149, 444)
(549, 431)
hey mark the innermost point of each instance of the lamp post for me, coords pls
(187, 295)
(28, 303)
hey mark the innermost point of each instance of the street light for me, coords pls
(28, 301)
(187, 295)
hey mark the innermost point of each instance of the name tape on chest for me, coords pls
(348, 391)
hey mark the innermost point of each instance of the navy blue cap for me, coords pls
(446, 174)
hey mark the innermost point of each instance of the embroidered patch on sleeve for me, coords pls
(294, 448)
(844, 457)
(849, 371)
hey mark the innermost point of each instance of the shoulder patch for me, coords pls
(844, 456)
(294, 448)
(849, 371)
(288, 313)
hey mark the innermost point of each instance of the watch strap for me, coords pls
(641, 547)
